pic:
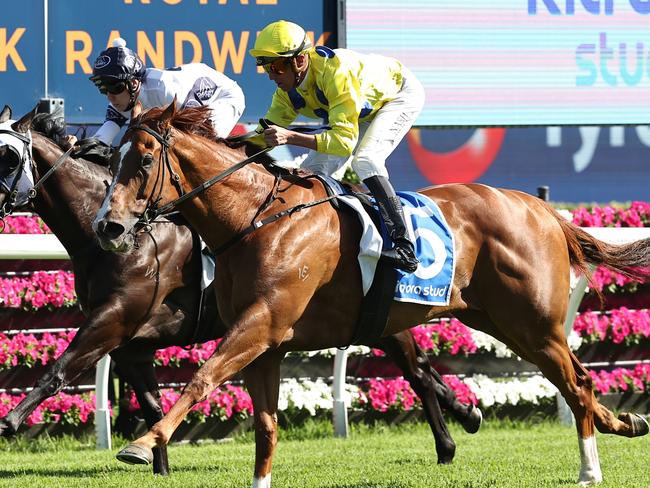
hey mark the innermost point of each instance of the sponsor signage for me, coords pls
(164, 33)
(515, 62)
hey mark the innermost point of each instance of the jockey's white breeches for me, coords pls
(378, 137)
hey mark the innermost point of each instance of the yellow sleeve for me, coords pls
(281, 112)
(343, 93)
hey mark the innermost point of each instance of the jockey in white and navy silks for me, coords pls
(120, 74)
(368, 101)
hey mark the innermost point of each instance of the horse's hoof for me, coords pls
(639, 424)
(590, 478)
(135, 454)
(473, 421)
(6, 430)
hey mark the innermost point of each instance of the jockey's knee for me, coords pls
(367, 169)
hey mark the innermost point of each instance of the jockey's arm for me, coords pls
(277, 136)
(343, 91)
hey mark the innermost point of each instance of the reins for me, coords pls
(32, 192)
(150, 214)
(260, 223)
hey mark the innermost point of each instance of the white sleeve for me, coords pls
(107, 132)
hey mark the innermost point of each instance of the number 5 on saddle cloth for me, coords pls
(430, 284)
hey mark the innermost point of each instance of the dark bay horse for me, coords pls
(148, 299)
(295, 284)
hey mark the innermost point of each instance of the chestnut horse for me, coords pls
(295, 284)
(148, 299)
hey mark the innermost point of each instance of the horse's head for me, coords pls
(16, 178)
(142, 173)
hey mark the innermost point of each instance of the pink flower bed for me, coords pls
(38, 290)
(621, 326)
(62, 408)
(611, 282)
(383, 395)
(225, 402)
(636, 215)
(28, 350)
(23, 224)
(444, 337)
(175, 355)
(622, 379)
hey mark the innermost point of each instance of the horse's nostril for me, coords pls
(110, 230)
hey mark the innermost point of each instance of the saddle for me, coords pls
(377, 301)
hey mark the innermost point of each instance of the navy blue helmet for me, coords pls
(116, 66)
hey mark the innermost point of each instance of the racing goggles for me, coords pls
(109, 86)
(277, 66)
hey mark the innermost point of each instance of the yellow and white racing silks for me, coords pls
(342, 87)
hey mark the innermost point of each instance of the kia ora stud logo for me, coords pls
(462, 165)
(102, 61)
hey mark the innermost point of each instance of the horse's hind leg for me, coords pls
(432, 391)
(547, 348)
(469, 416)
(401, 348)
(262, 378)
(553, 357)
(141, 376)
(627, 424)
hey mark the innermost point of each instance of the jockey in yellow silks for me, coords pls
(368, 101)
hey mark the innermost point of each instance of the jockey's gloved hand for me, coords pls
(94, 150)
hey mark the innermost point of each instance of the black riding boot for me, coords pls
(402, 255)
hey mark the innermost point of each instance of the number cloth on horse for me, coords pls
(430, 284)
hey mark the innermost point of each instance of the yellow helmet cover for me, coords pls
(281, 39)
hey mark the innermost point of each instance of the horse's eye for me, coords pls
(147, 160)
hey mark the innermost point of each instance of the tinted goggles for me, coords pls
(108, 86)
(277, 66)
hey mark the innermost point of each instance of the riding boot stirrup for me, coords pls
(402, 255)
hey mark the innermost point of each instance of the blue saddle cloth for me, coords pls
(434, 247)
(430, 284)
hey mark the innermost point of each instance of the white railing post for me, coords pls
(102, 412)
(339, 410)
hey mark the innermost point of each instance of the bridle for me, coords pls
(10, 202)
(152, 211)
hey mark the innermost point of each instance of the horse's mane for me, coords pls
(196, 120)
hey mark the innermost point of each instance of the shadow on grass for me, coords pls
(52, 473)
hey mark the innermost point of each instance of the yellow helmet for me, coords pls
(279, 39)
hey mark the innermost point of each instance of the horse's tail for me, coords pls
(631, 259)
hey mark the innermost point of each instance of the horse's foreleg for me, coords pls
(92, 342)
(246, 340)
(402, 349)
(262, 379)
(141, 376)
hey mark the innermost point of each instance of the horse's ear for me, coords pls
(5, 114)
(168, 115)
(25, 122)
